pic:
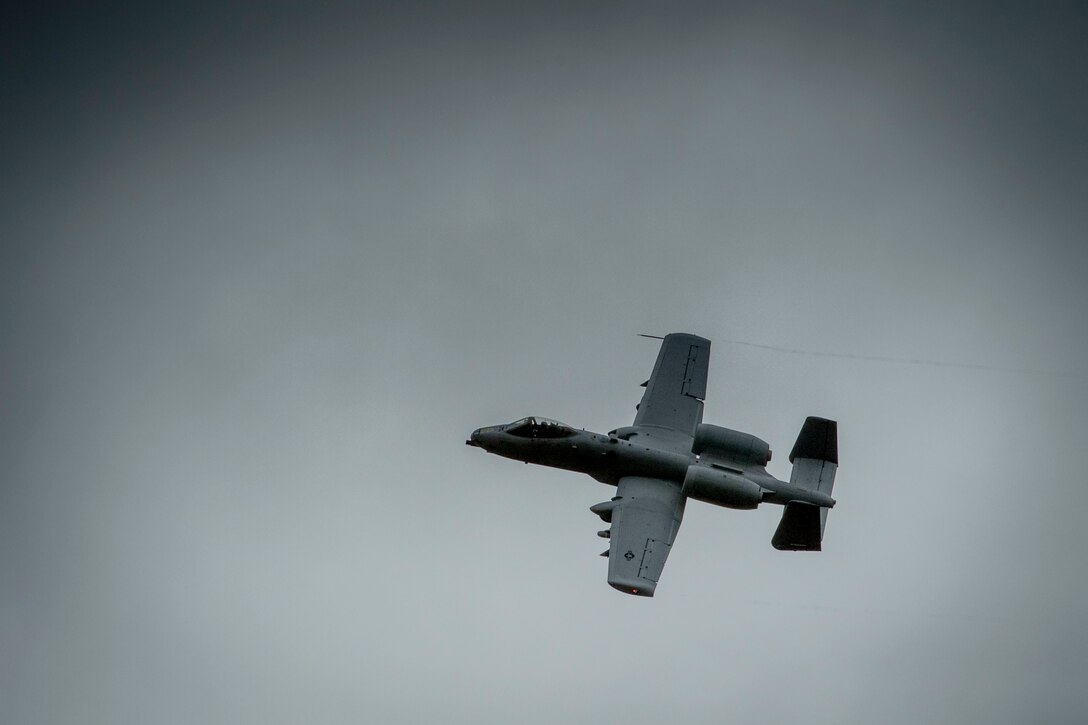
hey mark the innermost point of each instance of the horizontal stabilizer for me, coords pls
(801, 528)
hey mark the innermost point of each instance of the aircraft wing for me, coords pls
(646, 515)
(676, 388)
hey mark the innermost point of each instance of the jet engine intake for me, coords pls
(721, 488)
(725, 443)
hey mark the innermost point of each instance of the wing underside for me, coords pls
(646, 514)
(676, 388)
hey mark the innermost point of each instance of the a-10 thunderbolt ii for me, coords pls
(669, 456)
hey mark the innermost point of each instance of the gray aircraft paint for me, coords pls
(668, 456)
(262, 267)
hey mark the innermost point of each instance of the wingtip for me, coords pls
(639, 588)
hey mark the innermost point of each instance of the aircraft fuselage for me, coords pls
(603, 457)
(608, 458)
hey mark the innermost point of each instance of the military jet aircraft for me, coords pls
(667, 456)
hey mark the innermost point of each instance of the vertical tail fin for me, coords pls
(815, 458)
(815, 455)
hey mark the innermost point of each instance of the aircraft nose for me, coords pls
(474, 439)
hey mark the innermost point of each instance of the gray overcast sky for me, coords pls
(262, 269)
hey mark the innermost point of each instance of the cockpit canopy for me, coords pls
(533, 427)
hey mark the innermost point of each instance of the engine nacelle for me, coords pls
(743, 448)
(721, 488)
